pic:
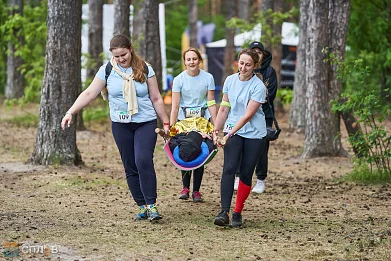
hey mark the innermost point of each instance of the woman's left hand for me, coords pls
(166, 129)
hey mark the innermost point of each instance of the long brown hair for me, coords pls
(137, 64)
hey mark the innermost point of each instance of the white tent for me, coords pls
(289, 33)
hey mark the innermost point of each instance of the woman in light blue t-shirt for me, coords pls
(135, 102)
(243, 121)
(193, 94)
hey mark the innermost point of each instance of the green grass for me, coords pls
(363, 174)
(25, 121)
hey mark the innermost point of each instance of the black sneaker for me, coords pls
(236, 219)
(222, 219)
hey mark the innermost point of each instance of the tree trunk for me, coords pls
(244, 12)
(95, 36)
(61, 85)
(14, 87)
(277, 46)
(152, 38)
(139, 27)
(327, 24)
(193, 23)
(339, 13)
(229, 51)
(121, 17)
(298, 107)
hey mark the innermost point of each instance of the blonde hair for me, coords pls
(192, 49)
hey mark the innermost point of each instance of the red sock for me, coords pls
(241, 196)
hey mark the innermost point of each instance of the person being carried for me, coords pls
(134, 102)
(268, 75)
(193, 93)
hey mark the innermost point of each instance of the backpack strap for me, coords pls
(109, 67)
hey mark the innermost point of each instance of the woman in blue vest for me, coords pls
(193, 92)
(135, 102)
(243, 122)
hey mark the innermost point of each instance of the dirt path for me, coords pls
(86, 213)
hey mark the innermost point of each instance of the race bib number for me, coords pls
(193, 112)
(124, 116)
(228, 127)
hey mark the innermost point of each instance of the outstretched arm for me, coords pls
(84, 98)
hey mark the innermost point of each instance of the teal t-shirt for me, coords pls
(194, 91)
(118, 106)
(239, 94)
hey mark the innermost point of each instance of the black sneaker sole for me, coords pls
(236, 224)
(220, 222)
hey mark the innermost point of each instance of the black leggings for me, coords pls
(241, 152)
(197, 178)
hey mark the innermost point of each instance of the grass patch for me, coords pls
(362, 174)
(99, 114)
(25, 121)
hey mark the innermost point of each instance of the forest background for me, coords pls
(347, 220)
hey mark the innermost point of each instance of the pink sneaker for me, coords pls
(197, 196)
(184, 193)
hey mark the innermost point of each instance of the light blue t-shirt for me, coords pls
(239, 94)
(118, 106)
(194, 91)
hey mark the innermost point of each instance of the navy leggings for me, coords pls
(241, 152)
(136, 144)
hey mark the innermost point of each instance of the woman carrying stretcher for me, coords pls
(243, 121)
(193, 93)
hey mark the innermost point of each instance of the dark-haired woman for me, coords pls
(243, 121)
(134, 102)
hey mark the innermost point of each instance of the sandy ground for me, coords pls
(86, 213)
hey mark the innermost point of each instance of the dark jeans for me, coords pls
(197, 178)
(136, 144)
(239, 153)
(262, 164)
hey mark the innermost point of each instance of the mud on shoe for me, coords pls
(197, 196)
(153, 213)
(236, 220)
(222, 219)
(184, 194)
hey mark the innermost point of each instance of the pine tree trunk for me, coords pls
(95, 36)
(15, 84)
(244, 12)
(327, 22)
(193, 23)
(61, 85)
(229, 51)
(298, 107)
(121, 17)
(318, 141)
(152, 38)
(139, 27)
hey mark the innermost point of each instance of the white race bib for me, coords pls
(193, 112)
(124, 117)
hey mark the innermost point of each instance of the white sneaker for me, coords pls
(259, 187)
(236, 184)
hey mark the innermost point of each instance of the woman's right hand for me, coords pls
(66, 121)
